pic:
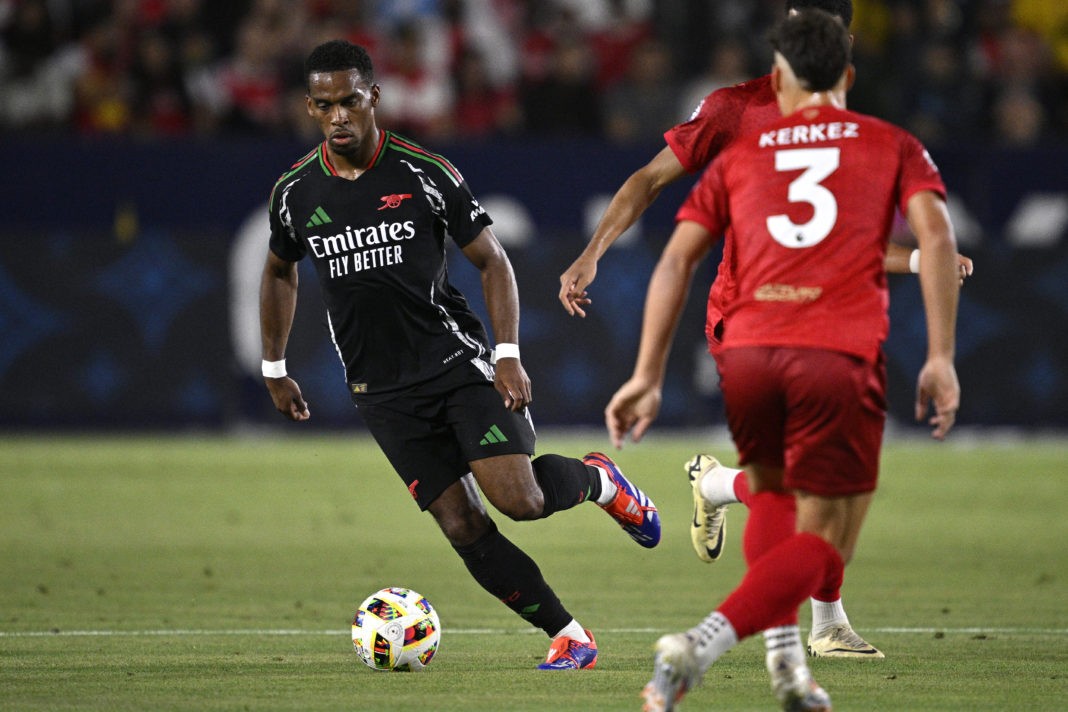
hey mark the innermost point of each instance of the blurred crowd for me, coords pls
(949, 70)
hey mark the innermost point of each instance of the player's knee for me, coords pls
(461, 524)
(462, 531)
(522, 507)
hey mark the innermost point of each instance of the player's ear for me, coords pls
(375, 92)
(851, 76)
(776, 78)
(309, 104)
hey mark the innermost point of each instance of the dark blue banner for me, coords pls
(130, 271)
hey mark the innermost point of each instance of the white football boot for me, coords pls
(675, 671)
(709, 526)
(792, 683)
(841, 641)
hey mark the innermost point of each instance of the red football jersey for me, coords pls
(724, 115)
(721, 117)
(811, 201)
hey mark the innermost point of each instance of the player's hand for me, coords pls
(512, 382)
(573, 283)
(287, 398)
(964, 267)
(632, 410)
(937, 387)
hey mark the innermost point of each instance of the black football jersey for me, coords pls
(378, 246)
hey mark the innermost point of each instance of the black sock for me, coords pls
(505, 571)
(565, 482)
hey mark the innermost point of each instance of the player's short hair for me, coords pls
(842, 9)
(816, 45)
(338, 56)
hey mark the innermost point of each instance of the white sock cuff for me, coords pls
(782, 636)
(717, 487)
(827, 613)
(712, 637)
(573, 630)
(608, 487)
(783, 643)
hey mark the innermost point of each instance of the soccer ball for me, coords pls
(396, 629)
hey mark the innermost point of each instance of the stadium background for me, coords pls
(140, 138)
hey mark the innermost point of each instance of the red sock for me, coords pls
(778, 583)
(775, 527)
(831, 589)
(772, 520)
(741, 488)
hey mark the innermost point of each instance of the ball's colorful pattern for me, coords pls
(396, 629)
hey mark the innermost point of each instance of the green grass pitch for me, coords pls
(221, 573)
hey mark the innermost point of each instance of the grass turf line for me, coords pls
(221, 534)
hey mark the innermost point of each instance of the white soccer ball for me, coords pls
(396, 629)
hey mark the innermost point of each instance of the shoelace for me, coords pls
(848, 636)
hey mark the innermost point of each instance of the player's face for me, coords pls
(343, 103)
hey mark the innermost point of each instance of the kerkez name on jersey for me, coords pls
(810, 133)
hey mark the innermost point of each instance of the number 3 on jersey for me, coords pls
(817, 163)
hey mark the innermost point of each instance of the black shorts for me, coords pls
(433, 431)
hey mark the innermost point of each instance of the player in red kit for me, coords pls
(811, 201)
(691, 146)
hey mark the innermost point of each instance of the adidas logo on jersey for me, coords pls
(319, 217)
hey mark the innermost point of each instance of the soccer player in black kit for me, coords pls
(373, 210)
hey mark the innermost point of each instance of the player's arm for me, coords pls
(636, 404)
(899, 260)
(502, 303)
(631, 200)
(937, 384)
(278, 304)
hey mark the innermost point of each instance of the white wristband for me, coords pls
(505, 351)
(914, 262)
(274, 369)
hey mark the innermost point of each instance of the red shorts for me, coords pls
(819, 414)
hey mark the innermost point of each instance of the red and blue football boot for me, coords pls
(570, 654)
(630, 507)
